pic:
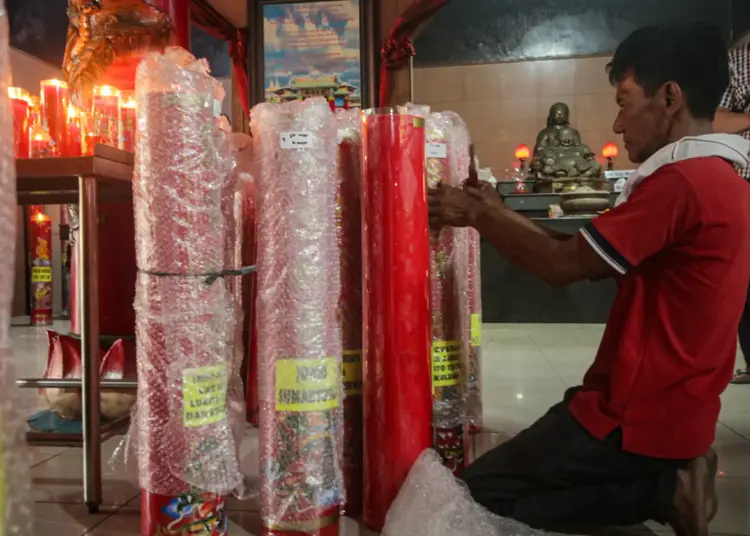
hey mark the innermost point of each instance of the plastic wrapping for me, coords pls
(397, 399)
(432, 502)
(15, 479)
(298, 321)
(186, 318)
(468, 248)
(349, 221)
(448, 418)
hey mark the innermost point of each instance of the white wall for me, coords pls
(28, 72)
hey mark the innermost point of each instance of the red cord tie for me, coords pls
(396, 52)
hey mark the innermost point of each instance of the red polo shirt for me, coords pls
(682, 246)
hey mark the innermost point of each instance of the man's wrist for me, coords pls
(480, 214)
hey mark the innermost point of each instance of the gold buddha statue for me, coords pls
(561, 161)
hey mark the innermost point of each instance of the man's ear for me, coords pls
(673, 97)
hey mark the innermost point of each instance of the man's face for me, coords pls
(643, 121)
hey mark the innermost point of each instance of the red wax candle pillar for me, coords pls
(55, 98)
(20, 102)
(105, 112)
(127, 133)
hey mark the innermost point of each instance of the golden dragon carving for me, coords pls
(103, 32)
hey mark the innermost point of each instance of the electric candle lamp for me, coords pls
(55, 97)
(522, 154)
(610, 152)
(20, 100)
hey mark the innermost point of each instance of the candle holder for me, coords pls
(20, 101)
(127, 118)
(55, 98)
(74, 129)
(105, 112)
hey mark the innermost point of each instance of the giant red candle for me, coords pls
(397, 401)
(105, 112)
(55, 98)
(20, 101)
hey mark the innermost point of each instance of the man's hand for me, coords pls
(460, 207)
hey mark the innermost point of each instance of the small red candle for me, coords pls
(20, 102)
(74, 132)
(106, 115)
(55, 99)
(127, 114)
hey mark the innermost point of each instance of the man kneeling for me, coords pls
(634, 442)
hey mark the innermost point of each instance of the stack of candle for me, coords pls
(51, 125)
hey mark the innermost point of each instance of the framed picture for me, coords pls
(312, 48)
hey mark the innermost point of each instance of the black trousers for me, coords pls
(555, 475)
(744, 332)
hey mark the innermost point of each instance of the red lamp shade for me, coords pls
(610, 151)
(522, 152)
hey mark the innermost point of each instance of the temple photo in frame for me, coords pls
(313, 49)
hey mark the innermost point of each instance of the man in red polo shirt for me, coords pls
(634, 442)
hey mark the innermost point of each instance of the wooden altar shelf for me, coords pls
(85, 181)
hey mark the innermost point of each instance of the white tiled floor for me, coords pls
(526, 369)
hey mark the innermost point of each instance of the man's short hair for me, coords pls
(693, 56)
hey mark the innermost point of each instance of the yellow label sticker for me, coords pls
(351, 372)
(307, 384)
(476, 330)
(41, 274)
(204, 391)
(446, 363)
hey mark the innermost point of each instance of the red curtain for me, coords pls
(213, 23)
(398, 48)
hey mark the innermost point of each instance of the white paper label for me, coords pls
(296, 140)
(217, 108)
(436, 150)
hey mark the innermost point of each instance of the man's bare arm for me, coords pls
(528, 246)
(731, 122)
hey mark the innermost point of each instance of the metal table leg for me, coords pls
(92, 453)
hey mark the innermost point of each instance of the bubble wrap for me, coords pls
(184, 201)
(349, 221)
(432, 502)
(450, 438)
(468, 247)
(299, 333)
(15, 479)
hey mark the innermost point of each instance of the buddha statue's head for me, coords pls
(567, 137)
(559, 115)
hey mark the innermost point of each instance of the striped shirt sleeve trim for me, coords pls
(605, 250)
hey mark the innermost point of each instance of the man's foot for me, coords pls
(695, 500)
(741, 376)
